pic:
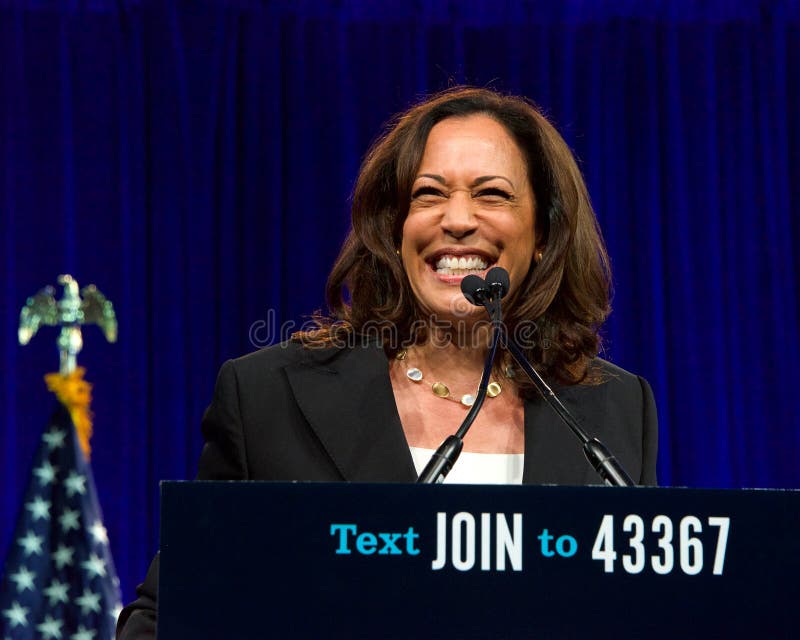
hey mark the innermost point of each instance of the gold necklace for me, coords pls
(440, 389)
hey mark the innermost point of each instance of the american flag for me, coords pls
(59, 581)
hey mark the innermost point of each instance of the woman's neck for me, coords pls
(450, 360)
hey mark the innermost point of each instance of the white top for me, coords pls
(477, 468)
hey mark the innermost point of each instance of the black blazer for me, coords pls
(289, 413)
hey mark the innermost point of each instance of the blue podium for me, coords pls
(314, 560)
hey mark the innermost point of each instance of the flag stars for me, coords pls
(62, 572)
(63, 556)
(17, 615)
(89, 601)
(69, 520)
(54, 438)
(57, 592)
(31, 544)
(23, 578)
(75, 483)
(50, 628)
(39, 508)
(46, 473)
(99, 532)
(83, 634)
(95, 565)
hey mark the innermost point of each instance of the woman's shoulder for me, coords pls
(278, 354)
(620, 381)
(612, 385)
(608, 382)
(293, 353)
(608, 372)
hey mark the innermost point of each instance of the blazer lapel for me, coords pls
(346, 396)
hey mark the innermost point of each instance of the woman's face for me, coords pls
(472, 207)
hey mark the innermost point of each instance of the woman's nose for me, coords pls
(459, 218)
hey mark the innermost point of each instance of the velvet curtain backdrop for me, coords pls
(194, 160)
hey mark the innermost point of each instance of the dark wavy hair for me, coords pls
(563, 300)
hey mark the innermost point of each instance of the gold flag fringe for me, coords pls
(75, 394)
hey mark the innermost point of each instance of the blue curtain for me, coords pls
(194, 160)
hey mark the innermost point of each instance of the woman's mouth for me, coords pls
(458, 266)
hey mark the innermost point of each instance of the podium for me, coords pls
(318, 560)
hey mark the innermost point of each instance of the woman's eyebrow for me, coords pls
(482, 179)
(477, 182)
(433, 176)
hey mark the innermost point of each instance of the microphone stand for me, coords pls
(476, 291)
(445, 456)
(598, 455)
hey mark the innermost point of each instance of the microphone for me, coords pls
(498, 283)
(475, 290)
(478, 293)
(601, 459)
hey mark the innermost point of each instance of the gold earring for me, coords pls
(397, 251)
(538, 256)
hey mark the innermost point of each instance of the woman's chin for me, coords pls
(455, 312)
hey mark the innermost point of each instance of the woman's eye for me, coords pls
(426, 191)
(494, 192)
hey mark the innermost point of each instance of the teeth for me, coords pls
(448, 264)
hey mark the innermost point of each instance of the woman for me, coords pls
(464, 181)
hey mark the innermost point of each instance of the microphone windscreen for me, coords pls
(497, 279)
(470, 286)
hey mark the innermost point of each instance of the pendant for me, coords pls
(440, 389)
(494, 389)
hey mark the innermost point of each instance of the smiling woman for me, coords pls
(466, 180)
(473, 173)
